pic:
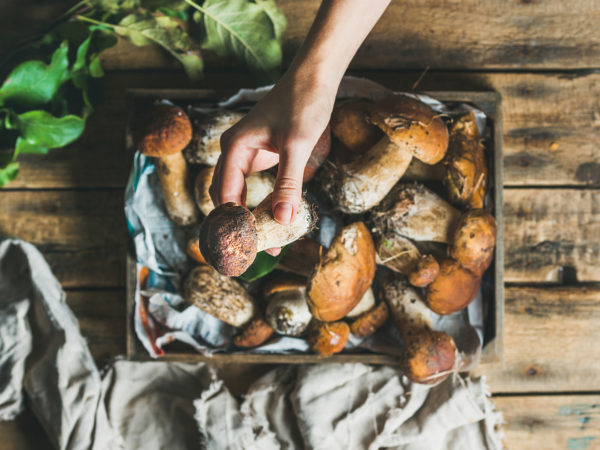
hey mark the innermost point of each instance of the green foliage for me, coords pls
(242, 29)
(36, 101)
(263, 265)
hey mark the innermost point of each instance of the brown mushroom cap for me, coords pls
(412, 125)
(425, 271)
(284, 282)
(474, 240)
(430, 356)
(255, 333)
(164, 130)
(193, 250)
(343, 275)
(228, 239)
(328, 338)
(349, 125)
(368, 322)
(453, 289)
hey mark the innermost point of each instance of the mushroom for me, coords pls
(219, 296)
(301, 257)
(343, 274)
(474, 240)
(466, 170)
(205, 147)
(258, 186)
(429, 355)
(424, 272)
(453, 288)
(349, 125)
(162, 133)
(368, 322)
(328, 338)
(414, 211)
(193, 250)
(365, 304)
(287, 312)
(230, 236)
(397, 253)
(255, 333)
(412, 128)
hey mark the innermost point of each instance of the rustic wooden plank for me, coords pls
(548, 231)
(551, 422)
(82, 234)
(551, 126)
(415, 34)
(24, 433)
(551, 340)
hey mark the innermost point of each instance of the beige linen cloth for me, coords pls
(46, 363)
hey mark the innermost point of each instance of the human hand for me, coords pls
(282, 128)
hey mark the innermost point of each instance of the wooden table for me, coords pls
(542, 56)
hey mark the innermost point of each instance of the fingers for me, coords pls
(288, 185)
(229, 183)
(273, 251)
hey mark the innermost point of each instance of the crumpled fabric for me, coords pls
(158, 405)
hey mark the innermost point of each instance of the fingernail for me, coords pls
(283, 213)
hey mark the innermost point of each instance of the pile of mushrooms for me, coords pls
(407, 248)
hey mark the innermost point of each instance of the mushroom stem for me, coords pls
(173, 176)
(429, 355)
(271, 233)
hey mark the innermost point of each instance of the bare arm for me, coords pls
(286, 124)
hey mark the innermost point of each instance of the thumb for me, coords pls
(288, 187)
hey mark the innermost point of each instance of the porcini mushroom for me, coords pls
(366, 303)
(328, 338)
(230, 236)
(162, 133)
(412, 129)
(414, 211)
(301, 257)
(466, 170)
(453, 288)
(343, 274)
(424, 272)
(255, 333)
(287, 312)
(205, 147)
(219, 296)
(258, 186)
(368, 322)
(397, 253)
(429, 355)
(349, 125)
(474, 240)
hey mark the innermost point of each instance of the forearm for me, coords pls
(339, 29)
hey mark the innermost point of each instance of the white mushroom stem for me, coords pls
(397, 253)
(205, 147)
(366, 303)
(288, 312)
(414, 211)
(406, 306)
(173, 176)
(364, 182)
(271, 233)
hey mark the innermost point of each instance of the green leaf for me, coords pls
(143, 29)
(41, 131)
(8, 173)
(174, 13)
(115, 6)
(33, 83)
(277, 17)
(262, 265)
(242, 29)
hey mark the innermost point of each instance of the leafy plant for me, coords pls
(37, 107)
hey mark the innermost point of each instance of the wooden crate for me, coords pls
(488, 101)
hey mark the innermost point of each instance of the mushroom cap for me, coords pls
(429, 357)
(284, 282)
(474, 240)
(343, 275)
(228, 239)
(368, 322)
(219, 296)
(318, 155)
(328, 338)
(453, 289)
(163, 130)
(287, 312)
(412, 125)
(193, 250)
(349, 125)
(255, 333)
(397, 252)
(425, 271)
